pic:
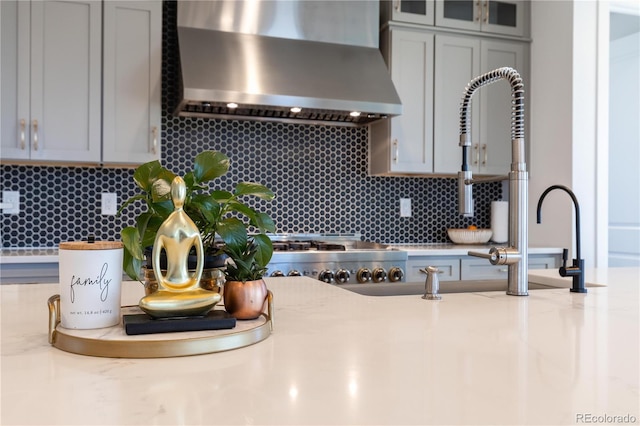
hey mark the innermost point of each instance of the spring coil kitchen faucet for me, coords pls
(516, 254)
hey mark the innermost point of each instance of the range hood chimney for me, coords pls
(299, 61)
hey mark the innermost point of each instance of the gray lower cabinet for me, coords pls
(449, 267)
(454, 268)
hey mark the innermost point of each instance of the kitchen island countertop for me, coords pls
(336, 357)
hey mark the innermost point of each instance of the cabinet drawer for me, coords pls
(481, 269)
(544, 261)
(449, 268)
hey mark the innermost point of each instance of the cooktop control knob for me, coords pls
(277, 273)
(395, 274)
(342, 276)
(326, 276)
(363, 275)
(379, 275)
(294, 273)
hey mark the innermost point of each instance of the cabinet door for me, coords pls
(404, 144)
(132, 81)
(411, 72)
(481, 269)
(14, 79)
(448, 266)
(494, 16)
(414, 11)
(65, 80)
(457, 62)
(494, 142)
(463, 14)
(504, 17)
(544, 261)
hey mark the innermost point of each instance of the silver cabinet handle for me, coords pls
(478, 10)
(476, 147)
(396, 151)
(486, 12)
(23, 129)
(35, 135)
(484, 150)
(154, 140)
(397, 5)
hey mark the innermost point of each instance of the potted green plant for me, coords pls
(220, 216)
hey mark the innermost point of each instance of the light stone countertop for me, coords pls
(336, 357)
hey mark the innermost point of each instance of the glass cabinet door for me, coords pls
(495, 16)
(415, 11)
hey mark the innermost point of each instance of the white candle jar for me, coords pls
(90, 284)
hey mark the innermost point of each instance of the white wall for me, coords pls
(564, 124)
(550, 107)
(624, 149)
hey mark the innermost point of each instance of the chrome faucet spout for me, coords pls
(516, 254)
(576, 271)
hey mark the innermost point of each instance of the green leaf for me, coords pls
(210, 165)
(133, 255)
(255, 189)
(161, 191)
(221, 196)
(233, 233)
(131, 240)
(146, 174)
(264, 222)
(132, 267)
(264, 249)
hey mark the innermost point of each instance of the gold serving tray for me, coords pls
(113, 342)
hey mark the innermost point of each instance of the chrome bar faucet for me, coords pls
(516, 254)
(576, 270)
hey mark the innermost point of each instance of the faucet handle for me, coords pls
(565, 257)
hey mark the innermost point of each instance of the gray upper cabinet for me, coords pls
(492, 16)
(404, 144)
(458, 60)
(50, 93)
(430, 65)
(132, 81)
(412, 11)
(430, 71)
(52, 84)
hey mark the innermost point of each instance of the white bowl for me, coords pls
(469, 236)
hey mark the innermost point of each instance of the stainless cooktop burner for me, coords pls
(336, 258)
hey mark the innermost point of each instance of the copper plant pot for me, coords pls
(245, 300)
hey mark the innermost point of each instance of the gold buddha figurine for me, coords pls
(179, 293)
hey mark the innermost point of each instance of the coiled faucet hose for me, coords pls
(517, 101)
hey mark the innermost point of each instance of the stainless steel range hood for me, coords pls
(268, 57)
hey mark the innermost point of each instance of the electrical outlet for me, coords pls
(405, 207)
(109, 203)
(10, 202)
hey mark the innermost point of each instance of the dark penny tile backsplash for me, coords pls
(319, 175)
